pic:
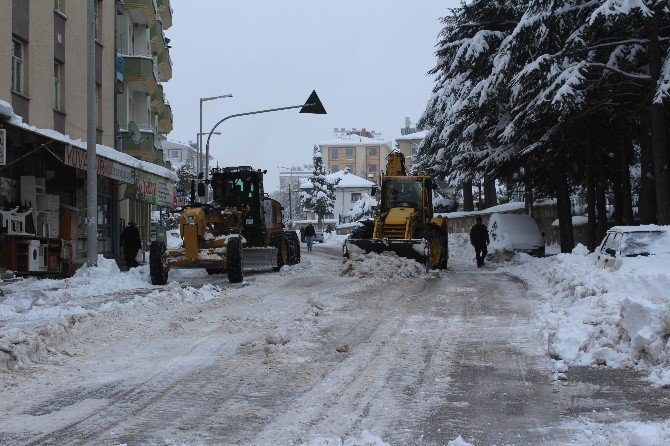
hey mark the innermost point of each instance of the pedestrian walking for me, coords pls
(310, 236)
(479, 237)
(131, 243)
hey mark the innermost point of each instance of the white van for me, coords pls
(516, 232)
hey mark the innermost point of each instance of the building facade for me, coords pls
(43, 121)
(408, 144)
(349, 189)
(178, 154)
(362, 156)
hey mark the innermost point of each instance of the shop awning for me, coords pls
(152, 183)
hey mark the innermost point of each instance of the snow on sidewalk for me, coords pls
(596, 316)
(38, 315)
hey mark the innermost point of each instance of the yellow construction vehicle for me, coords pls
(240, 229)
(405, 224)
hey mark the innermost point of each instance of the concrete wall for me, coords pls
(41, 54)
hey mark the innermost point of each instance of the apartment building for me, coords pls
(43, 120)
(143, 64)
(408, 144)
(360, 155)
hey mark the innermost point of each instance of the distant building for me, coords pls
(294, 176)
(348, 191)
(361, 155)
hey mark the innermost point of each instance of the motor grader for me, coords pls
(405, 224)
(241, 229)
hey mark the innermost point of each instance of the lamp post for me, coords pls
(312, 105)
(290, 200)
(200, 133)
(198, 160)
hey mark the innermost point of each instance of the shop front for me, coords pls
(43, 199)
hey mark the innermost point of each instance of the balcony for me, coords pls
(142, 12)
(165, 13)
(140, 73)
(145, 149)
(165, 120)
(164, 66)
(157, 37)
(158, 101)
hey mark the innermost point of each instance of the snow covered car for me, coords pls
(516, 232)
(623, 242)
(319, 235)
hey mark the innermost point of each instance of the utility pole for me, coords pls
(91, 121)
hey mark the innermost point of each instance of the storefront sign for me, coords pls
(3, 147)
(155, 190)
(181, 197)
(76, 157)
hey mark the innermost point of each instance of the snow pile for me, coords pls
(365, 439)
(334, 239)
(174, 240)
(630, 433)
(382, 268)
(596, 316)
(458, 441)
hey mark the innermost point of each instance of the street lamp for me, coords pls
(290, 201)
(312, 105)
(199, 165)
(198, 161)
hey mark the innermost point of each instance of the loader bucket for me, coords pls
(416, 249)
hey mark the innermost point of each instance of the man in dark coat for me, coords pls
(131, 243)
(479, 237)
(310, 236)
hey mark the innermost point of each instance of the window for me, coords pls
(17, 66)
(372, 151)
(355, 196)
(350, 153)
(372, 168)
(350, 168)
(58, 86)
(415, 148)
(175, 154)
(334, 168)
(334, 154)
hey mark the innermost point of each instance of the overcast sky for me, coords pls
(367, 59)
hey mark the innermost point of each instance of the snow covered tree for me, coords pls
(363, 207)
(321, 198)
(185, 174)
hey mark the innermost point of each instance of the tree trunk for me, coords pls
(564, 208)
(626, 197)
(591, 198)
(647, 200)
(657, 115)
(468, 204)
(490, 193)
(528, 197)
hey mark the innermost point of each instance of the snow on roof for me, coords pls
(641, 228)
(101, 150)
(347, 180)
(170, 144)
(352, 141)
(412, 136)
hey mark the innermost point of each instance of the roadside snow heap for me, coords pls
(382, 268)
(596, 316)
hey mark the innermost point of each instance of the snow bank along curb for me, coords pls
(595, 316)
(40, 318)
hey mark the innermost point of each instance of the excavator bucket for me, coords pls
(416, 249)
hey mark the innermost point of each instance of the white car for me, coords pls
(516, 232)
(623, 242)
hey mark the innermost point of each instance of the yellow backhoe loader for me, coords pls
(240, 229)
(405, 224)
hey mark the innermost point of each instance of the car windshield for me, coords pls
(403, 193)
(645, 243)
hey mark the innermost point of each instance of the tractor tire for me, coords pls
(235, 260)
(438, 248)
(158, 267)
(293, 248)
(213, 271)
(280, 241)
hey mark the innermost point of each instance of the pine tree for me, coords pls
(321, 198)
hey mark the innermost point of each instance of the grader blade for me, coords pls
(259, 258)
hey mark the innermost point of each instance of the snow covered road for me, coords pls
(322, 353)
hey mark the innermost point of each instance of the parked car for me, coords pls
(623, 242)
(516, 232)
